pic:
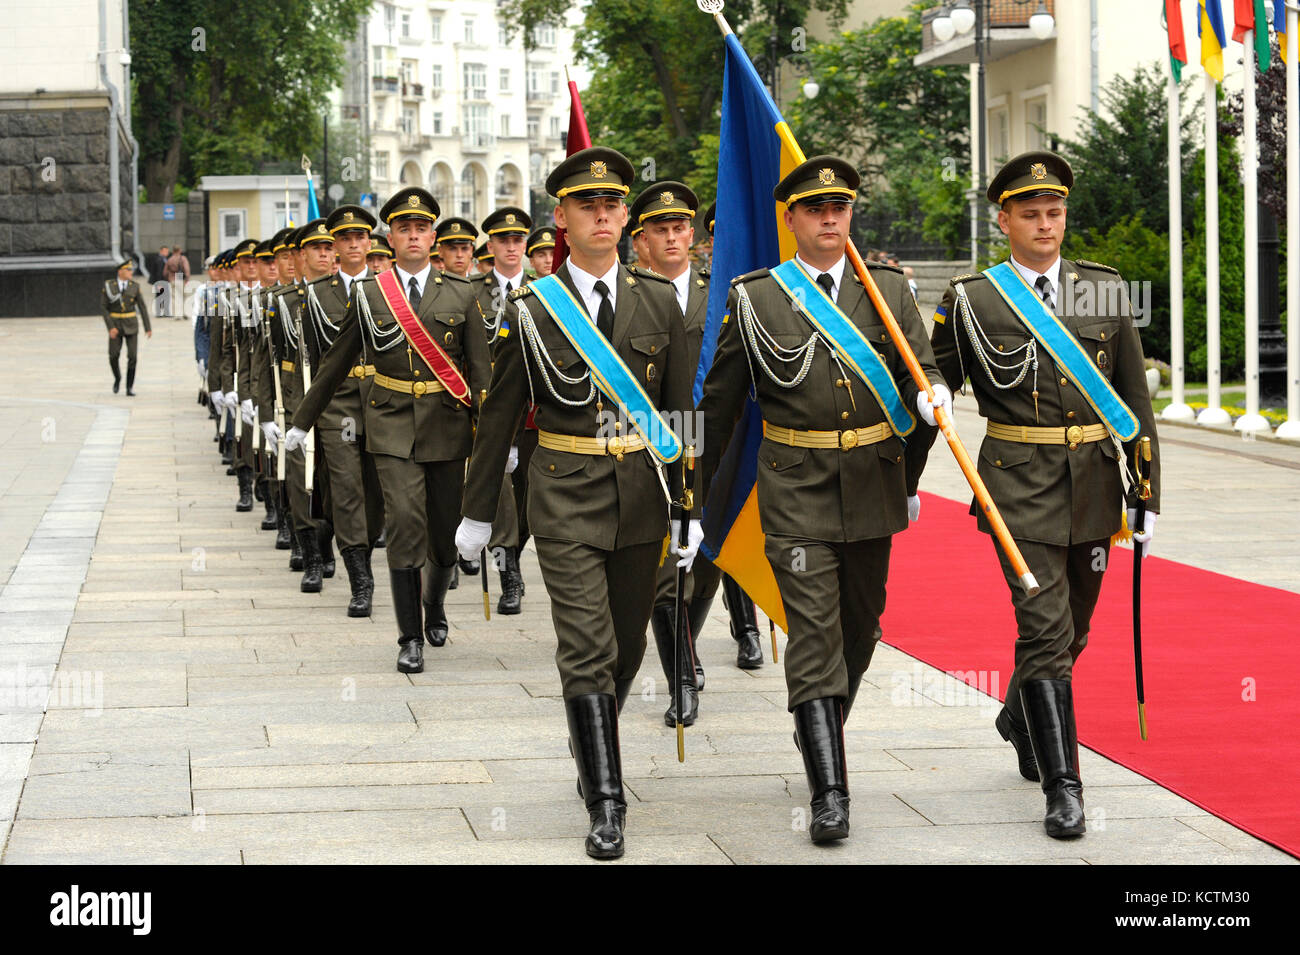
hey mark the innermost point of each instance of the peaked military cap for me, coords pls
(665, 199)
(456, 230)
(543, 238)
(247, 247)
(820, 179)
(408, 202)
(280, 241)
(591, 172)
(379, 246)
(481, 254)
(265, 250)
(124, 261)
(708, 215)
(1029, 175)
(349, 217)
(506, 220)
(314, 231)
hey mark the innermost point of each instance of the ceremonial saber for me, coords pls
(681, 631)
(308, 444)
(771, 627)
(942, 418)
(1141, 453)
(482, 573)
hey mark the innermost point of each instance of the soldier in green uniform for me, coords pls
(218, 331)
(455, 238)
(636, 233)
(424, 337)
(541, 251)
(483, 258)
(597, 495)
(1053, 463)
(267, 277)
(380, 257)
(237, 364)
(832, 482)
(272, 424)
(119, 304)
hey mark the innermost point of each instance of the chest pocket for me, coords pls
(446, 328)
(1098, 341)
(651, 354)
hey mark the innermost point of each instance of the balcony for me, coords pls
(412, 90)
(413, 142)
(540, 96)
(1008, 34)
(384, 84)
(477, 142)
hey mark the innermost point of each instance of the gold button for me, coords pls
(839, 382)
(550, 467)
(773, 464)
(844, 415)
(372, 401)
(618, 426)
(998, 462)
(1103, 336)
(1069, 414)
(884, 336)
(1000, 348)
(417, 372)
(898, 459)
(652, 349)
(559, 363)
(1063, 381)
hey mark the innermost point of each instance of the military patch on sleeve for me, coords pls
(520, 292)
(940, 315)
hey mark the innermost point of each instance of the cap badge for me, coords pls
(321, 229)
(666, 198)
(1038, 170)
(546, 237)
(413, 200)
(347, 217)
(826, 176)
(599, 170)
(510, 218)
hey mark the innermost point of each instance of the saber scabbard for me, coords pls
(483, 576)
(1142, 469)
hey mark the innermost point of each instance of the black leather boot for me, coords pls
(283, 529)
(435, 613)
(511, 583)
(295, 555)
(271, 521)
(1049, 714)
(357, 562)
(469, 567)
(245, 477)
(622, 689)
(1011, 727)
(820, 731)
(744, 625)
(697, 612)
(662, 625)
(130, 380)
(311, 564)
(227, 449)
(406, 607)
(259, 487)
(593, 730)
(325, 533)
(455, 576)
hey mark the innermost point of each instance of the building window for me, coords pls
(555, 126)
(380, 165)
(406, 24)
(469, 30)
(467, 189)
(233, 225)
(390, 19)
(295, 212)
(379, 114)
(475, 81)
(1036, 123)
(505, 80)
(544, 35)
(555, 82)
(476, 122)
(999, 136)
(437, 124)
(503, 36)
(435, 27)
(409, 68)
(534, 128)
(505, 124)
(409, 123)
(436, 82)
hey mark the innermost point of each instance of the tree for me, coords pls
(216, 93)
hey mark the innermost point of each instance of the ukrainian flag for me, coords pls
(1279, 25)
(1209, 27)
(756, 150)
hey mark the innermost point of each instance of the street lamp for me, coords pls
(811, 89)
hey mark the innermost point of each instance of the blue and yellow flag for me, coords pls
(1279, 25)
(755, 151)
(1209, 27)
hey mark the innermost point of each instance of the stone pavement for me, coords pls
(204, 710)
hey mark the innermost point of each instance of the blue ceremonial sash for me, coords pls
(608, 371)
(847, 339)
(1064, 349)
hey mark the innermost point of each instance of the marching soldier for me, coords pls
(639, 248)
(218, 332)
(422, 332)
(380, 257)
(597, 499)
(483, 258)
(835, 396)
(236, 364)
(1064, 391)
(455, 238)
(267, 277)
(541, 250)
(120, 303)
(706, 246)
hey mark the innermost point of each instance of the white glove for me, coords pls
(471, 537)
(694, 535)
(246, 409)
(1148, 531)
(512, 461)
(294, 439)
(914, 508)
(218, 399)
(942, 399)
(232, 400)
(272, 435)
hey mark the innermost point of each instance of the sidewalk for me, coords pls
(206, 711)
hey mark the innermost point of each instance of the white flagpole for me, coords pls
(1252, 421)
(1291, 427)
(1212, 415)
(1178, 409)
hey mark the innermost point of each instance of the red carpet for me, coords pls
(1221, 659)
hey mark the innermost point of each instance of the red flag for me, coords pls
(577, 140)
(1177, 45)
(1243, 17)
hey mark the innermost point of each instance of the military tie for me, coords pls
(413, 294)
(1044, 286)
(828, 283)
(605, 314)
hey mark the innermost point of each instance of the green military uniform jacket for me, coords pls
(345, 406)
(697, 307)
(1049, 493)
(218, 332)
(820, 494)
(591, 499)
(430, 427)
(278, 347)
(120, 308)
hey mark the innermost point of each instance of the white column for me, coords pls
(1252, 421)
(1178, 409)
(1291, 427)
(1212, 414)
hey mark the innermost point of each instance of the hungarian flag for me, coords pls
(1248, 15)
(1209, 26)
(577, 140)
(1177, 45)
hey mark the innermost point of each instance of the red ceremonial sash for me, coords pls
(442, 367)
